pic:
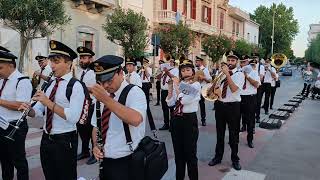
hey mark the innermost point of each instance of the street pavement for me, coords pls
(288, 153)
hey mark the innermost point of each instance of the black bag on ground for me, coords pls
(149, 160)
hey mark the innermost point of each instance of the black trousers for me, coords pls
(85, 133)
(158, 87)
(117, 169)
(202, 109)
(165, 108)
(306, 87)
(184, 134)
(259, 99)
(273, 92)
(227, 113)
(58, 154)
(267, 93)
(13, 153)
(146, 89)
(248, 105)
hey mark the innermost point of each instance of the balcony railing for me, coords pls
(166, 16)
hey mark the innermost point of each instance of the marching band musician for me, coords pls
(248, 96)
(132, 76)
(59, 143)
(145, 74)
(14, 90)
(273, 88)
(87, 76)
(167, 75)
(158, 82)
(261, 72)
(270, 74)
(228, 110)
(203, 79)
(184, 124)
(115, 153)
(45, 69)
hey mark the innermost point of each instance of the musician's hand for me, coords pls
(225, 69)
(165, 70)
(98, 92)
(24, 106)
(36, 73)
(245, 74)
(98, 154)
(41, 96)
(201, 77)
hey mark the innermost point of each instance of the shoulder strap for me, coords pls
(21, 78)
(70, 87)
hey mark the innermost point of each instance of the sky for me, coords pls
(305, 11)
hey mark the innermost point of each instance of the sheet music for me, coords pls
(187, 89)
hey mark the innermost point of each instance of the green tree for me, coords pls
(216, 45)
(175, 39)
(242, 47)
(285, 27)
(312, 54)
(129, 30)
(32, 19)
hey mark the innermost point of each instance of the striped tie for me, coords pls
(178, 109)
(105, 120)
(82, 76)
(245, 84)
(3, 84)
(225, 86)
(49, 112)
(164, 79)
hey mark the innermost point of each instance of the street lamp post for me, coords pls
(272, 37)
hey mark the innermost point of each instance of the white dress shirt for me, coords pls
(21, 93)
(135, 78)
(250, 89)
(89, 77)
(267, 77)
(238, 79)
(273, 82)
(46, 72)
(206, 74)
(147, 78)
(115, 145)
(190, 102)
(72, 109)
(175, 72)
(262, 69)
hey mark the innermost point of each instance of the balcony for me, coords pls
(238, 14)
(232, 35)
(200, 27)
(94, 6)
(166, 16)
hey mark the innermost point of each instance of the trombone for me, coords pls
(26, 112)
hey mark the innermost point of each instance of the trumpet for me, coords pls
(26, 112)
(208, 90)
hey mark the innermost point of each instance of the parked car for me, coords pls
(287, 71)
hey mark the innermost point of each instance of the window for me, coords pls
(193, 9)
(255, 39)
(221, 20)
(238, 29)
(86, 40)
(206, 14)
(185, 5)
(164, 4)
(233, 27)
(174, 5)
(248, 37)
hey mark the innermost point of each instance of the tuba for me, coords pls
(278, 60)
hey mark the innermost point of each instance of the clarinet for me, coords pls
(26, 112)
(99, 137)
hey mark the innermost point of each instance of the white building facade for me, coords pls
(313, 31)
(251, 32)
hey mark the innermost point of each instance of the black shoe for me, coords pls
(91, 160)
(157, 104)
(257, 120)
(271, 108)
(243, 128)
(254, 131)
(83, 156)
(266, 113)
(203, 123)
(164, 127)
(250, 144)
(214, 162)
(236, 165)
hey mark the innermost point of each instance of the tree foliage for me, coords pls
(285, 27)
(216, 45)
(312, 54)
(129, 30)
(242, 47)
(175, 39)
(32, 19)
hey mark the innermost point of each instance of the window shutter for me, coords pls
(194, 9)
(164, 4)
(174, 5)
(209, 16)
